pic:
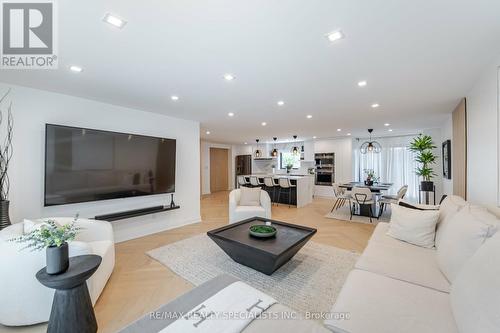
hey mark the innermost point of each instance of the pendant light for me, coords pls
(370, 145)
(295, 149)
(257, 152)
(274, 153)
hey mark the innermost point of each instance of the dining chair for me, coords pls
(392, 199)
(340, 196)
(361, 196)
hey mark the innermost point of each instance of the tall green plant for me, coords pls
(423, 146)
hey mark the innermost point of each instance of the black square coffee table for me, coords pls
(265, 255)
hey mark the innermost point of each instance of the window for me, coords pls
(394, 164)
(286, 158)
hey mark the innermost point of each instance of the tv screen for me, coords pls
(84, 164)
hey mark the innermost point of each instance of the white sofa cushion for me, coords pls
(403, 261)
(414, 226)
(28, 301)
(475, 293)
(448, 208)
(379, 304)
(106, 250)
(250, 196)
(412, 205)
(464, 234)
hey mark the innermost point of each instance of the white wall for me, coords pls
(32, 109)
(482, 138)
(205, 165)
(447, 134)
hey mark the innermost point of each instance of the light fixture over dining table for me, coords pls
(370, 145)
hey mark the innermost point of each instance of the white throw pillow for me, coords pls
(413, 205)
(250, 196)
(464, 234)
(448, 208)
(475, 293)
(414, 226)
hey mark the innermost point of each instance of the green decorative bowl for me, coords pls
(262, 231)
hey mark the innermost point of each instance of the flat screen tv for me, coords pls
(84, 165)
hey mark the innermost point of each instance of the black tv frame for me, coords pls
(105, 131)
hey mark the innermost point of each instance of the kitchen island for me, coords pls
(302, 194)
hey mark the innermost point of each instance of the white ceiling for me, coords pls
(419, 58)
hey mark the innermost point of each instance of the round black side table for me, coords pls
(72, 309)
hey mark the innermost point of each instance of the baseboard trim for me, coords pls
(123, 234)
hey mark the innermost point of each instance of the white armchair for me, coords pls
(238, 213)
(24, 300)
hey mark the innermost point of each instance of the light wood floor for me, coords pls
(139, 284)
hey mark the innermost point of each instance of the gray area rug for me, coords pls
(343, 214)
(309, 282)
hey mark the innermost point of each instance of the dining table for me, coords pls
(376, 189)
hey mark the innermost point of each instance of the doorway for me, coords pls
(219, 160)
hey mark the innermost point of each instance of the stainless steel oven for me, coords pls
(325, 168)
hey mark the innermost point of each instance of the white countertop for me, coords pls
(280, 175)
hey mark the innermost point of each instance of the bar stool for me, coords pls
(242, 181)
(254, 181)
(270, 187)
(261, 183)
(286, 187)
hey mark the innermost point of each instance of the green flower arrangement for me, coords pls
(288, 161)
(50, 234)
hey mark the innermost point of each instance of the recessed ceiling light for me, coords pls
(229, 77)
(114, 20)
(348, 134)
(309, 116)
(208, 132)
(230, 114)
(315, 137)
(281, 103)
(174, 98)
(76, 69)
(362, 83)
(387, 124)
(375, 105)
(246, 143)
(390, 129)
(339, 129)
(335, 35)
(263, 123)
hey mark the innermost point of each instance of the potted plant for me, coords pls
(288, 163)
(370, 177)
(423, 146)
(5, 156)
(54, 238)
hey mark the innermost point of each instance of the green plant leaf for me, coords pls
(50, 234)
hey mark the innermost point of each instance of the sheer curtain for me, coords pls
(394, 164)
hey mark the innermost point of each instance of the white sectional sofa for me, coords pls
(24, 300)
(454, 287)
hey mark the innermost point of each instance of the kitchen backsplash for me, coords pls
(266, 167)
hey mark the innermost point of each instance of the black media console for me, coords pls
(136, 212)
